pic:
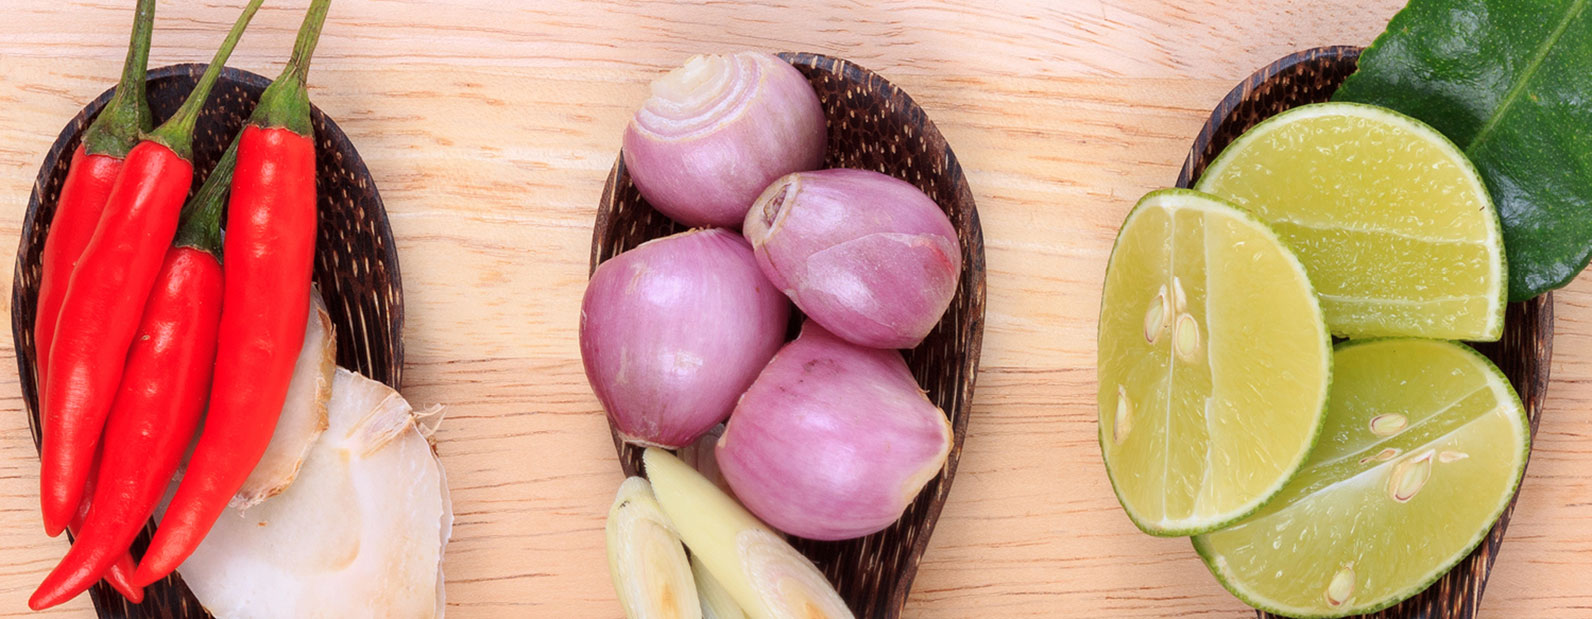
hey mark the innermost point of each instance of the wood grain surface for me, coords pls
(491, 130)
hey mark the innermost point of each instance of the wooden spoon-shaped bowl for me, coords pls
(872, 125)
(1311, 76)
(356, 262)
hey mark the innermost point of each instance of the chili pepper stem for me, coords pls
(201, 216)
(286, 102)
(177, 132)
(127, 114)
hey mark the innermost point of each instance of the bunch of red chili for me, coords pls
(140, 324)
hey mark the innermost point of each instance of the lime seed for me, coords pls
(1381, 456)
(1155, 317)
(1341, 587)
(1123, 422)
(1187, 337)
(1410, 476)
(1451, 456)
(1389, 424)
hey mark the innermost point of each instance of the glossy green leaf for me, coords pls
(1510, 82)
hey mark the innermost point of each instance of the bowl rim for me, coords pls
(1235, 97)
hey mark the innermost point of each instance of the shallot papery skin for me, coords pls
(869, 256)
(673, 331)
(716, 131)
(833, 440)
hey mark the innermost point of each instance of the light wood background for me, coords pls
(490, 131)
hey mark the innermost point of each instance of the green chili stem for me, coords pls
(201, 216)
(286, 102)
(116, 130)
(177, 132)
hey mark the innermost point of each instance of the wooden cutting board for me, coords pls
(491, 131)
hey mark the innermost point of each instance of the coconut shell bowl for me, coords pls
(1524, 352)
(356, 263)
(871, 125)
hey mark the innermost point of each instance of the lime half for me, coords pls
(1213, 367)
(1424, 444)
(1390, 218)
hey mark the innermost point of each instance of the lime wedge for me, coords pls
(1213, 367)
(1390, 218)
(1424, 444)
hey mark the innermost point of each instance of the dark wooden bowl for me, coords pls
(356, 263)
(872, 125)
(1311, 76)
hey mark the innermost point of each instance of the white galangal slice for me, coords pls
(303, 412)
(359, 533)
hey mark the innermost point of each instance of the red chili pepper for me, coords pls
(161, 400)
(120, 572)
(270, 246)
(106, 296)
(95, 165)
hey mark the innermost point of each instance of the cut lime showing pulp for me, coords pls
(1390, 218)
(1424, 444)
(1213, 366)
